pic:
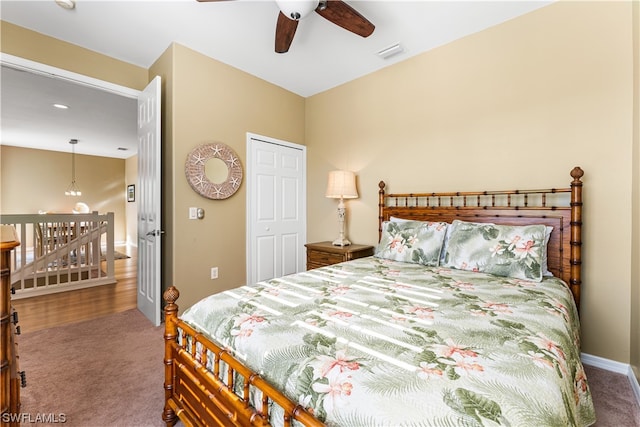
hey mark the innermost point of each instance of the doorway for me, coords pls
(101, 115)
(128, 275)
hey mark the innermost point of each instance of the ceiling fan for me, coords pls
(336, 11)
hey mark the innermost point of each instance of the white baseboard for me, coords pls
(613, 366)
(607, 364)
(130, 243)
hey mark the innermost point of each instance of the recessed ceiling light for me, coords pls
(61, 106)
(67, 4)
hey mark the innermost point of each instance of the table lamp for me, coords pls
(341, 185)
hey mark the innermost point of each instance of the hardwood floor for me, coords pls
(47, 311)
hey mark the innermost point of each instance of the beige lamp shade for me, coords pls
(341, 184)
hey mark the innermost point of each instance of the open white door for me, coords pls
(149, 192)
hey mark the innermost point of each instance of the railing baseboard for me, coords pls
(62, 287)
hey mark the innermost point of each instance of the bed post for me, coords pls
(381, 185)
(170, 330)
(576, 234)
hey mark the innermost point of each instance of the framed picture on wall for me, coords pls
(131, 193)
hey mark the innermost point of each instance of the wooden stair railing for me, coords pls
(61, 252)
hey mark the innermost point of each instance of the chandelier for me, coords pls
(72, 189)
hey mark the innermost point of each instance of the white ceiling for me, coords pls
(239, 33)
(103, 123)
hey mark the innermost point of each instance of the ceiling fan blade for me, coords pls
(346, 17)
(285, 30)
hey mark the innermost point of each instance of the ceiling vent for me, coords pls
(388, 52)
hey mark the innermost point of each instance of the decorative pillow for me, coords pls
(418, 242)
(503, 250)
(444, 243)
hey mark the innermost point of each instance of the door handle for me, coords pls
(155, 232)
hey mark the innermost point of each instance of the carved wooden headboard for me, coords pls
(560, 208)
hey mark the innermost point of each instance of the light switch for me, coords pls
(193, 213)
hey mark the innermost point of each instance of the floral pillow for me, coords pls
(503, 250)
(418, 242)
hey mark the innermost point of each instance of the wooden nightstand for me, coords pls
(325, 253)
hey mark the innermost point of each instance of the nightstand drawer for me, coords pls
(322, 254)
(324, 258)
(312, 265)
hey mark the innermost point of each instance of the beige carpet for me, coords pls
(99, 374)
(613, 398)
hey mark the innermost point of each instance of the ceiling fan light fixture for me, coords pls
(66, 4)
(297, 9)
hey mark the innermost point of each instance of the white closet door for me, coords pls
(276, 208)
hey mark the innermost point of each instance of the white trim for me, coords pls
(606, 364)
(46, 70)
(613, 366)
(262, 138)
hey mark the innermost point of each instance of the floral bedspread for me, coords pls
(374, 342)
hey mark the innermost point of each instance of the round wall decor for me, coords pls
(194, 169)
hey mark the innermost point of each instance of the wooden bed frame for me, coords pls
(200, 397)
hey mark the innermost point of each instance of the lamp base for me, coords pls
(341, 241)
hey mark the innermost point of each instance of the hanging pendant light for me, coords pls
(72, 189)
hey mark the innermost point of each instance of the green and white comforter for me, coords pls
(374, 342)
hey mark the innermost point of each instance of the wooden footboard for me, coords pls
(221, 395)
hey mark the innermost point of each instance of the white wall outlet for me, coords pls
(193, 213)
(214, 272)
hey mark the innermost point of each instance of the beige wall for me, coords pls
(37, 47)
(635, 253)
(213, 102)
(35, 180)
(516, 106)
